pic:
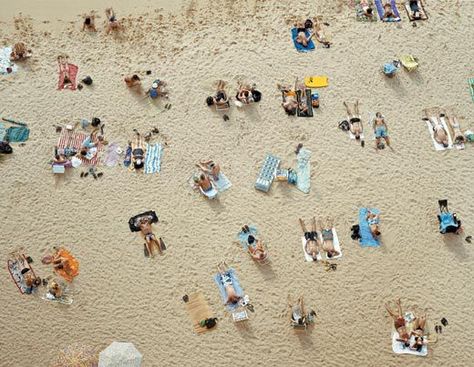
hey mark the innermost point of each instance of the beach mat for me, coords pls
(73, 70)
(399, 347)
(222, 291)
(111, 158)
(308, 113)
(299, 47)
(439, 147)
(73, 140)
(70, 271)
(366, 238)
(134, 222)
(360, 13)
(14, 268)
(198, 310)
(3, 132)
(154, 153)
(303, 170)
(17, 134)
(267, 173)
(5, 62)
(223, 183)
(423, 15)
(380, 10)
(128, 157)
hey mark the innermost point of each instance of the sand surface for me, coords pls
(120, 295)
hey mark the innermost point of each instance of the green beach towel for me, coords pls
(17, 134)
(471, 87)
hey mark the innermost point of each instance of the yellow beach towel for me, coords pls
(317, 81)
(409, 62)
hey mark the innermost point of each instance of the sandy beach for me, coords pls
(121, 295)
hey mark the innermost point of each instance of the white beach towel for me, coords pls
(437, 146)
(459, 146)
(399, 348)
(337, 246)
(351, 135)
(5, 61)
(306, 256)
(222, 183)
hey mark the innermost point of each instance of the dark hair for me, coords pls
(56, 156)
(290, 112)
(60, 266)
(257, 96)
(84, 151)
(135, 77)
(138, 165)
(251, 239)
(95, 121)
(87, 20)
(308, 23)
(202, 177)
(209, 101)
(369, 10)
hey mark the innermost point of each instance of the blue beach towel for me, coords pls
(222, 183)
(17, 134)
(366, 238)
(222, 291)
(299, 47)
(243, 236)
(303, 170)
(380, 10)
(153, 158)
(128, 157)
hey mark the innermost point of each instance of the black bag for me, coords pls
(210, 323)
(256, 95)
(87, 80)
(355, 235)
(5, 148)
(134, 222)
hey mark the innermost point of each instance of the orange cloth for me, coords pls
(71, 268)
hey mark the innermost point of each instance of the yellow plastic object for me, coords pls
(317, 81)
(409, 62)
(71, 269)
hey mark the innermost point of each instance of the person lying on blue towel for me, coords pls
(373, 220)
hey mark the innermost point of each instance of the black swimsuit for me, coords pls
(310, 236)
(138, 153)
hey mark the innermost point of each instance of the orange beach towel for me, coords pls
(71, 269)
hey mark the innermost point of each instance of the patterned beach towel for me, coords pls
(303, 170)
(111, 156)
(154, 152)
(73, 140)
(73, 70)
(366, 238)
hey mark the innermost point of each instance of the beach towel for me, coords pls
(335, 241)
(299, 47)
(360, 13)
(437, 146)
(5, 62)
(267, 173)
(71, 269)
(306, 100)
(222, 183)
(380, 10)
(3, 132)
(14, 268)
(71, 140)
(399, 347)
(366, 238)
(128, 157)
(235, 284)
(73, 70)
(409, 62)
(198, 310)
(471, 87)
(421, 9)
(65, 299)
(17, 134)
(154, 152)
(211, 193)
(317, 81)
(303, 170)
(244, 236)
(112, 157)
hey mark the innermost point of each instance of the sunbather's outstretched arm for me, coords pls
(303, 226)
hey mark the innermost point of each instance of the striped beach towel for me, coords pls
(154, 152)
(3, 131)
(73, 140)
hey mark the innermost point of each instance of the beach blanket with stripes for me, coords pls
(72, 139)
(154, 152)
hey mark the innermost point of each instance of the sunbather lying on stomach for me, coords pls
(380, 129)
(388, 11)
(150, 239)
(312, 241)
(373, 220)
(328, 238)
(232, 297)
(355, 125)
(368, 11)
(211, 168)
(138, 151)
(399, 323)
(440, 134)
(220, 99)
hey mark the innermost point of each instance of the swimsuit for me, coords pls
(327, 235)
(310, 236)
(381, 131)
(226, 279)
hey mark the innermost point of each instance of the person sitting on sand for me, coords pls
(373, 220)
(138, 151)
(55, 289)
(132, 81)
(89, 23)
(355, 124)
(61, 159)
(226, 279)
(380, 130)
(157, 90)
(439, 132)
(247, 94)
(298, 314)
(301, 37)
(113, 24)
(89, 146)
(328, 238)
(399, 322)
(150, 239)
(211, 168)
(220, 99)
(19, 52)
(202, 181)
(312, 240)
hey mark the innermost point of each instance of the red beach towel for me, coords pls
(73, 69)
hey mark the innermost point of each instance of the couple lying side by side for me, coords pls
(313, 240)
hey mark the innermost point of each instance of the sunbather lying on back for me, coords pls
(113, 24)
(320, 34)
(211, 168)
(380, 130)
(328, 238)
(232, 297)
(151, 242)
(220, 99)
(312, 241)
(459, 137)
(440, 134)
(355, 125)
(399, 322)
(373, 220)
(255, 246)
(301, 38)
(132, 81)
(89, 23)
(248, 94)
(388, 11)
(415, 8)
(63, 65)
(138, 151)
(290, 101)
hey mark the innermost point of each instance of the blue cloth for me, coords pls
(381, 11)
(235, 284)
(299, 47)
(366, 238)
(153, 158)
(243, 236)
(446, 220)
(17, 134)
(88, 143)
(303, 170)
(153, 93)
(128, 157)
(389, 68)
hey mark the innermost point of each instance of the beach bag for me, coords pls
(256, 95)
(209, 323)
(5, 148)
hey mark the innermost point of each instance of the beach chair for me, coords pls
(409, 62)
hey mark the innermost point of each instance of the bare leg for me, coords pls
(313, 225)
(357, 108)
(348, 110)
(399, 305)
(303, 226)
(390, 311)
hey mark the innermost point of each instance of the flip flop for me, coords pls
(469, 239)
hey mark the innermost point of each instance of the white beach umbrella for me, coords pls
(120, 355)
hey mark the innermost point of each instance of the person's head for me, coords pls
(251, 239)
(369, 10)
(314, 103)
(314, 256)
(445, 144)
(378, 115)
(210, 101)
(57, 157)
(357, 136)
(95, 121)
(83, 151)
(377, 232)
(60, 266)
(202, 177)
(290, 110)
(138, 164)
(87, 21)
(135, 78)
(330, 254)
